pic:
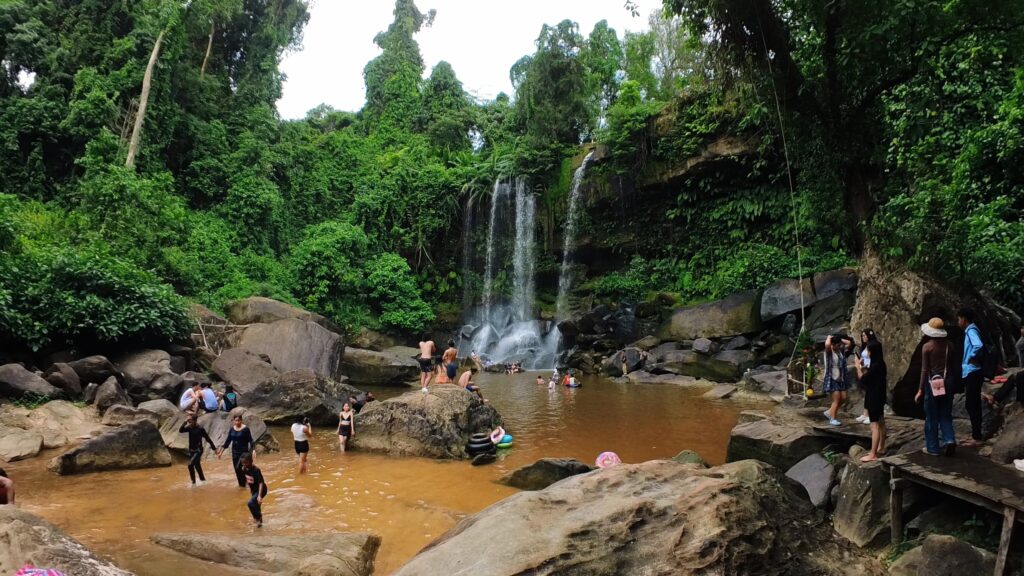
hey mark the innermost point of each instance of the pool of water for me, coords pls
(407, 501)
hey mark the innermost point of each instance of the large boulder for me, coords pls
(817, 475)
(16, 381)
(766, 380)
(658, 517)
(93, 369)
(18, 444)
(943, 555)
(862, 508)
(784, 296)
(243, 369)
(294, 344)
(260, 310)
(830, 315)
(148, 375)
(776, 442)
(217, 425)
(368, 339)
(62, 376)
(1009, 445)
(394, 366)
(612, 365)
(135, 445)
(109, 394)
(726, 366)
(895, 302)
(119, 415)
(435, 425)
(737, 314)
(308, 554)
(163, 409)
(29, 540)
(299, 392)
(543, 473)
(61, 422)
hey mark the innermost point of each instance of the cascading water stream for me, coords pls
(488, 296)
(569, 242)
(523, 259)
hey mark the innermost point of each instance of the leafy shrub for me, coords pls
(390, 283)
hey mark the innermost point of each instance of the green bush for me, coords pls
(68, 296)
(390, 283)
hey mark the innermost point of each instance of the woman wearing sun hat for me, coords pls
(936, 355)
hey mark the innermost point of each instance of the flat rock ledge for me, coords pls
(28, 539)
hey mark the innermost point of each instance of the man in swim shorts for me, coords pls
(426, 360)
(466, 381)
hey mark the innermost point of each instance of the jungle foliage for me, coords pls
(903, 124)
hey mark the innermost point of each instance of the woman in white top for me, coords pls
(301, 431)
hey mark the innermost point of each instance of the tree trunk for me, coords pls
(140, 116)
(209, 48)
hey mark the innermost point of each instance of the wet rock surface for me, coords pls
(134, 445)
(543, 473)
(27, 539)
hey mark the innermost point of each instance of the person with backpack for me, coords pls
(971, 372)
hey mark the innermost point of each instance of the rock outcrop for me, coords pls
(134, 445)
(779, 443)
(1009, 445)
(393, 366)
(737, 314)
(93, 369)
(16, 382)
(148, 375)
(543, 473)
(27, 539)
(299, 392)
(817, 475)
(61, 376)
(862, 507)
(658, 517)
(435, 425)
(294, 344)
(243, 369)
(118, 415)
(308, 554)
(943, 555)
(163, 409)
(19, 444)
(110, 394)
(260, 310)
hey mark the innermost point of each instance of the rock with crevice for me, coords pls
(299, 393)
(543, 473)
(110, 393)
(26, 539)
(134, 445)
(780, 443)
(17, 382)
(390, 367)
(657, 517)
(436, 424)
(294, 344)
(308, 554)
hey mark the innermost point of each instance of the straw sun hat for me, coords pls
(934, 328)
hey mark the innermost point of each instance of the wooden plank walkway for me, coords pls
(968, 477)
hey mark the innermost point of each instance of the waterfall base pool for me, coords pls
(407, 501)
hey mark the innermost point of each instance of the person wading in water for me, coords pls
(196, 435)
(241, 442)
(426, 360)
(346, 425)
(301, 431)
(257, 488)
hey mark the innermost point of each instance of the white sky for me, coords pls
(481, 39)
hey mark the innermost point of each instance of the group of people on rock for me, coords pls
(942, 376)
(513, 368)
(444, 368)
(201, 397)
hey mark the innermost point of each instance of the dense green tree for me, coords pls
(446, 114)
(393, 78)
(603, 59)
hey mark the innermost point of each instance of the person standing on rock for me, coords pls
(867, 336)
(872, 379)
(301, 431)
(196, 435)
(448, 360)
(426, 360)
(346, 426)
(241, 442)
(836, 381)
(6, 488)
(257, 487)
(971, 373)
(936, 358)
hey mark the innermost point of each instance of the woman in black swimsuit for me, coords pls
(346, 425)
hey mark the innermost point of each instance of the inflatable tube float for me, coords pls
(505, 445)
(497, 434)
(607, 460)
(507, 438)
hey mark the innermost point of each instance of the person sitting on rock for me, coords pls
(229, 400)
(211, 399)
(466, 381)
(190, 399)
(6, 488)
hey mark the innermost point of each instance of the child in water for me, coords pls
(257, 488)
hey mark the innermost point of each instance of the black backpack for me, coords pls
(987, 357)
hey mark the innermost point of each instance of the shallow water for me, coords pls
(407, 501)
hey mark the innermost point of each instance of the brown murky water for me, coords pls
(407, 501)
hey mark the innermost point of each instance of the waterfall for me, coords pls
(523, 259)
(569, 241)
(503, 327)
(467, 254)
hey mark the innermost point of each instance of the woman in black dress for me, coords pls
(873, 381)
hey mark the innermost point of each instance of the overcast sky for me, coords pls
(481, 39)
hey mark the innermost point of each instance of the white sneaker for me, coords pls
(834, 422)
(827, 415)
(424, 390)
(1019, 464)
(862, 419)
